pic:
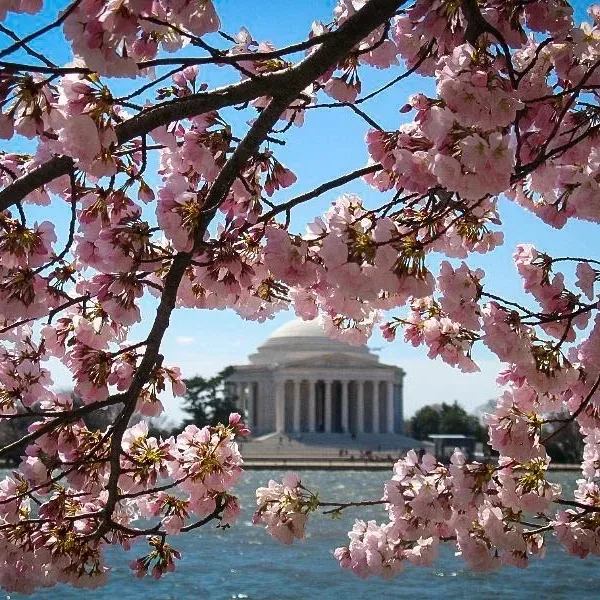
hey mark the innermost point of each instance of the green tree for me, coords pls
(446, 418)
(425, 422)
(208, 400)
(455, 419)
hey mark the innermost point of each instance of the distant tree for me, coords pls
(208, 401)
(455, 419)
(100, 419)
(11, 431)
(425, 422)
(446, 418)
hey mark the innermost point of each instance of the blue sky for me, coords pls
(330, 143)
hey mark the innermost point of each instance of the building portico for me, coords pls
(300, 380)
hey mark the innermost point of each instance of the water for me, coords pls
(245, 563)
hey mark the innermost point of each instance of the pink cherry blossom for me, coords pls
(122, 202)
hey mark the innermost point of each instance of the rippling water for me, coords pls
(244, 562)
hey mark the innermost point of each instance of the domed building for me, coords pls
(300, 380)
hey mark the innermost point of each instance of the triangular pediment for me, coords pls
(333, 361)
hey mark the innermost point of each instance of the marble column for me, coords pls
(345, 420)
(243, 397)
(389, 386)
(251, 403)
(375, 406)
(280, 406)
(400, 424)
(257, 418)
(312, 405)
(360, 406)
(328, 406)
(238, 397)
(296, 406)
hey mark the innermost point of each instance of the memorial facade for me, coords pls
(300, 380)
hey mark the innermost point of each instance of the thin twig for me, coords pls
(343, 505)
(321, 189)
(10, 33)
(32, 36)
(583, 404)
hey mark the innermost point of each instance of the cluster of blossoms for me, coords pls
(113, 37)
(427, 324)
(514, 113)
(283, 508)
(482, 509)
(468, 139)
(175, 481)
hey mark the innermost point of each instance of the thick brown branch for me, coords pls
(585, 507)
(353, 30)
(13, 67)
(151, 355)
(67, 417)
(21, 187)
(276, 84)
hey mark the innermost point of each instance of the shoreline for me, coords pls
(325, 464)
(347, 465)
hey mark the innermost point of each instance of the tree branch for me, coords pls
(68, 417)
(583, 404)
(321, 189)
(353, 30)
(36, 34)
(278, 84)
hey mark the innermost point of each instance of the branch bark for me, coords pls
(287, 83)
(297, 78)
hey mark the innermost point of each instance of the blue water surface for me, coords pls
(245, 563)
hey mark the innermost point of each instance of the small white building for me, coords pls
(300, 380)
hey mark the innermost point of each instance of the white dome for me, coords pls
(300, 339)
(300, 328)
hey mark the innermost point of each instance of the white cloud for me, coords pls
(185, 340)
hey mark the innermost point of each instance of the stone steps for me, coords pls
(327, 445)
